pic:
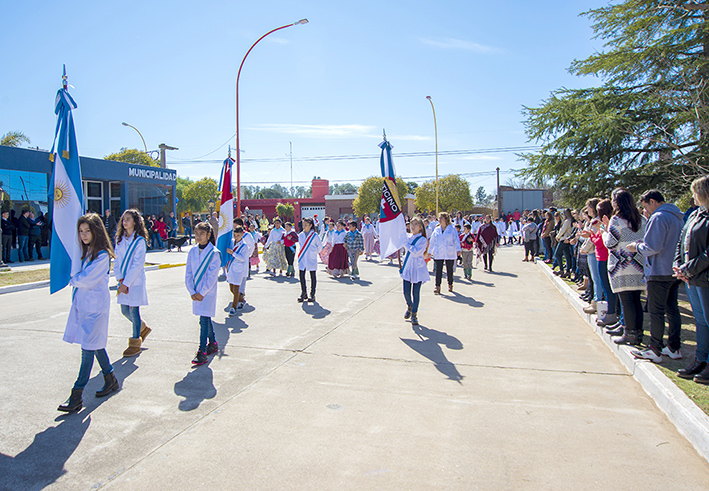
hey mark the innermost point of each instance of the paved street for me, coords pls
(502, 387)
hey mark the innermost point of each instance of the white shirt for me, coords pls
(207, 286)
(134, 271)
(276, 235)
(369, 229)
(337, 237)
(87, 324)
(445, 244)
(413, 264)
(308, 259)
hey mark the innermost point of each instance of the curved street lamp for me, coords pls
(435, 128)
(238, 75)
(141, 136)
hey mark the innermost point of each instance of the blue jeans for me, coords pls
(416, 287)
(595, 277)
(206, 330)
(188, 233)
(87, 362)
(606, 285)
(22, 251)
(133, 315)
(699, 299)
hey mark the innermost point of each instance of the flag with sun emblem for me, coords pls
(226, 211)
(65, 253)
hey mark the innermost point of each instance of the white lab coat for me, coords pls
(208, 285)
(445, 244)
(414, 268)
(238, 265)
(87, 324)
(249, 241)
(513, 229)
(431, 227)
(135, 273)
(308, 261)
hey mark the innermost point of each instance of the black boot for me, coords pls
(110, 384)
(311, 299)
(74, 403)
(414, 319)
(303, 298)
(691, 370)
(407, 314)
(702, 377)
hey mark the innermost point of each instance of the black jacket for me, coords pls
(7, 227)
(697, 267)
(23, 226)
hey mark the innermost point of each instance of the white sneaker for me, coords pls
(675, 355)
(232, 311)
(647, 354)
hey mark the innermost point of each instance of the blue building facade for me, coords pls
(25, 179)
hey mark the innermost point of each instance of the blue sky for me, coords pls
(329, 87)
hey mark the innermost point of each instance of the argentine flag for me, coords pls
(68, 196)
(392, 226)
(225, 234)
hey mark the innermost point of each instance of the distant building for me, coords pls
(524, 199)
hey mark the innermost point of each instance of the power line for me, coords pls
(405, 178)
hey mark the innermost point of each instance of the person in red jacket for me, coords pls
(161, 228)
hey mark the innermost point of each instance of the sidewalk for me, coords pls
(503, 386)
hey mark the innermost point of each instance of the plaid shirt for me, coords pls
(354, 241)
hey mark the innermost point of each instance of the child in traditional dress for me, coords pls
(337, 262)
(201, 277)
(354, 243)
(413, 270)
(310, 244)
(369, 234)
(87, 324)
(467, 243)
(256, 237)
(275, 255)
(131, 246)
(327, 246)
(290, 239)
(236, 271)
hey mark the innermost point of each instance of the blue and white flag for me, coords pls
(65, 253)
(392, 226)
(225, 234)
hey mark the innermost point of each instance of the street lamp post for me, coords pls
(141, 136)
(435, 129)
(238, 75)
(211, 204)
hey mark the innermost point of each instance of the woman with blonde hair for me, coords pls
(445, 248)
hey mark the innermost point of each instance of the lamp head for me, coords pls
(302, 21)
(124, 124)
(428, 97)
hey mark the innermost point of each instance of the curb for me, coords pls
(690, 421)
(43, 284)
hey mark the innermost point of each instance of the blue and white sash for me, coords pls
(203, 266)
(408, 253)
(129, 255)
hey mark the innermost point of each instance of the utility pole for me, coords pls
(499, 198)
(291, 167)
(162, 148)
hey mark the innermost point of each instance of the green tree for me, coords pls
(369, 195)
(453, 194)
(200, 192)
(133, 156)
(345, 188)
(647, 124)
(412, 187)
(481, 196)
(285, 210)
(184, 204)
(14, 139)
(270, 193)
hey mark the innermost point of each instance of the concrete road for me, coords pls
(502, 387)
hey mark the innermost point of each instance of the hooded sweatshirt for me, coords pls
(660, 242)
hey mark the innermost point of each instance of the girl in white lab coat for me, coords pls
(236, 269)
(310, 245)
(201, 275)
(87, 324)
(413, 270)
(131, 246)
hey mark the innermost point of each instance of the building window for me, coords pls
(22, 188)
(93, 195)
(150, 199)
(114, 189)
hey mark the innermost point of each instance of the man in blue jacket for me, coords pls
(658, 247)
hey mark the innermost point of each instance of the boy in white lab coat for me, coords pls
(237, 268)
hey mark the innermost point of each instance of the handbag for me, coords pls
(586, 247)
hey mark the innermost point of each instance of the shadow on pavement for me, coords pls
(502, 273)
(315, 310)
(42, 462)
(197, 386)
(458, 298)
(429, 346)
(346, 280)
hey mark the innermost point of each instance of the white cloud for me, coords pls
(278, 40)
(450, 43)
(335, 131)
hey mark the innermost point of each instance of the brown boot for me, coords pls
(133, 347)
(591, 309)
(144, 331)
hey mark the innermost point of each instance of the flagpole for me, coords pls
(238, 76)
(435, 129)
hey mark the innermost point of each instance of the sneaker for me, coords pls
(702, 377)
(693, 369)
(311, 298)
(407, 314)
(675, 355)
(414, 320)
(200, 359)
(607, 320)
(212, 348)
(627, 339)
(232, 311)
(616, 331)
(240, 306)
(647, 354)
(303, 298)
